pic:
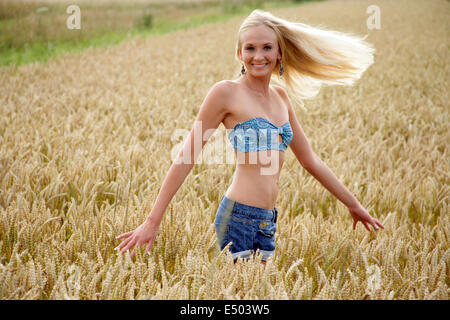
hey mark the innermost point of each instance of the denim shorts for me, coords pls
(248, 228)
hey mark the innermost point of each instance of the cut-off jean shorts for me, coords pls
(249, 229)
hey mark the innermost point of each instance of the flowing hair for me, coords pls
(311, 56)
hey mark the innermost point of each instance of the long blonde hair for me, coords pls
(311, 56)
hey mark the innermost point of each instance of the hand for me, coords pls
(358, 213)
(145, 233)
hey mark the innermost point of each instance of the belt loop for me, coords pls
(275, 215)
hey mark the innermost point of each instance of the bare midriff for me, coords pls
(256, 178)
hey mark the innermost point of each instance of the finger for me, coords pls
(379, 224)
(133, 252)
(365, 225)
(354, 224)
(123, 244)
(123, 235)
(138, 244)
(149, 246)
(129, 245)
(374, 225)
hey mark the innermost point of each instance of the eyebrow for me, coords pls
(250, 44)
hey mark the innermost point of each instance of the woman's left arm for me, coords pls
(319, 170)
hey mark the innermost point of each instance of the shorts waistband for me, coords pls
(252, 212)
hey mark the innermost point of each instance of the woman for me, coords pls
(261, 124)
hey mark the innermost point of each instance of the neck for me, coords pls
(257, 84)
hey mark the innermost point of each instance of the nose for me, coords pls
(259, 56)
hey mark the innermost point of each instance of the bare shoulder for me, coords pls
(218, 94)
(284, 96)
(215, 105)
(281, 91)
(226, 91)
(221, 91)
(224, 86)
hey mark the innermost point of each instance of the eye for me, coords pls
(251, 48)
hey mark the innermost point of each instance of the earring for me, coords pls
(243, 70)
(281, 69)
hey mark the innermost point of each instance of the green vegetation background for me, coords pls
(35, 32)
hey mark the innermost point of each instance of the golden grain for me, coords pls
(85, 143)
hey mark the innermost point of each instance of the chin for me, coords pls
(265, 73)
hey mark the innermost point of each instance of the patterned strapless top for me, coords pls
(259, 134)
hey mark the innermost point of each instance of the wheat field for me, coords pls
(86, 140)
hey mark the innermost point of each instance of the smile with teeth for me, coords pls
(259, 65)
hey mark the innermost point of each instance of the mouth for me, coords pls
(260, 65)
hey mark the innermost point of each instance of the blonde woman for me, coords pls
(261, 124)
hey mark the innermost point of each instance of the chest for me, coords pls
(244, 107)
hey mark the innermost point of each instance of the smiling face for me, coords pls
(259, 50)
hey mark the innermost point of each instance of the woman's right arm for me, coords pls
(211, 113)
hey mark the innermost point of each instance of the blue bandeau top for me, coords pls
(259, 134)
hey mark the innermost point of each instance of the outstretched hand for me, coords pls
(358, 213)
(144, 234)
